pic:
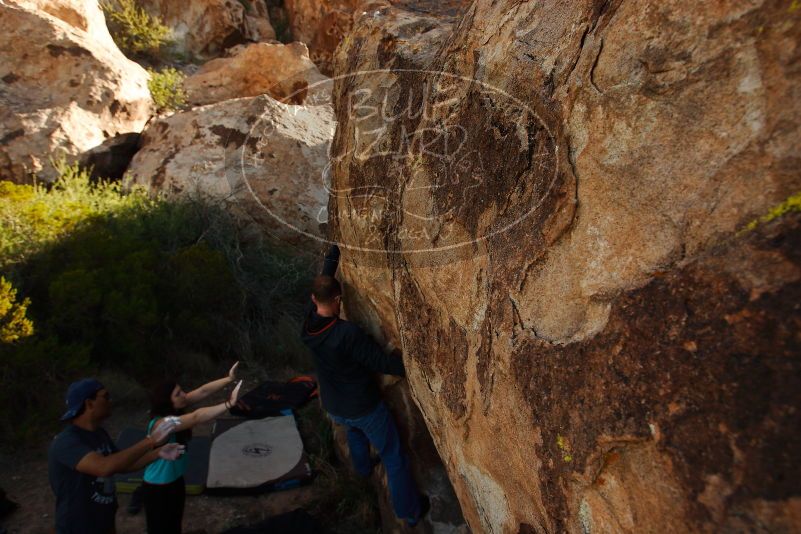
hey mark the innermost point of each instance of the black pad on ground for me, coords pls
(270, 399)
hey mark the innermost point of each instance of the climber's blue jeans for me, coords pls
(379, 428)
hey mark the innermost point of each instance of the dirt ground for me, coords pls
(27, 483)
(24, 478)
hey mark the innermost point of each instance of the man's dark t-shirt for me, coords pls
(84, 504)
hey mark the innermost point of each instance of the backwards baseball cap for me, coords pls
(77, 393)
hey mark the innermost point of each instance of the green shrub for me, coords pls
(167, 89)
(32, 217)
(120, 281)
(134, 30)
(14, 323)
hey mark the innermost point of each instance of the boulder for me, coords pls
(284, 72)
(82, 15)
(258, 24)
(265, 159)
(321, 25)
(258, 29)
(580, 222)
(64, 85)
(206, 28)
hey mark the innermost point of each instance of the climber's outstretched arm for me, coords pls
(331, 261)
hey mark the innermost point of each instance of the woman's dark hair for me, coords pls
(161, 406)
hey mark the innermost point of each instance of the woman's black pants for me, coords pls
(164, 507)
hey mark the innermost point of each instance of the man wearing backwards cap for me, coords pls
(83, 459)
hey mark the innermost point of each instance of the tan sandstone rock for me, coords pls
(81, 14)
(321, 25)
(258, 26)
(206, 28)
(265, 159)
(64, 85)
(258, 29)
(543, 204)
(284, 72)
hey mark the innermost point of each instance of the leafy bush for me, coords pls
(14, 323)
(122, 281)
(31, 217)
(167, 89)
(134, 30)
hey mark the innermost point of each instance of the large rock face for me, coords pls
(64, 85)
(544, 205)
(284, 72)
(265, 159)
(205, 28)
(323, 24)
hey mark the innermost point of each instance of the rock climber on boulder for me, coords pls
(346, 359)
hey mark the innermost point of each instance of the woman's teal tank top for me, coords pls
(164, 471)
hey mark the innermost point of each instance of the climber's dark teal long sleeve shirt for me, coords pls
(346, 358)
